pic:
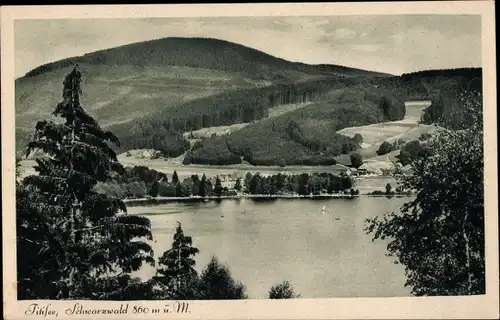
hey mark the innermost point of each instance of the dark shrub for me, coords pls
(384, 148)
(358, 139)
(356, 160)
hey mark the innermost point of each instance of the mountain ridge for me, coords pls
(196, 52)
(150, 99)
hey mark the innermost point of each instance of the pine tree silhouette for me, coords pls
(80, 244)
(178, 273)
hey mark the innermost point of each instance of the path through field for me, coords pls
(406, 129)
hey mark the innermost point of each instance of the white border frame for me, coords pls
(466, 307)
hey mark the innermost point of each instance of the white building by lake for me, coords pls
(227, 180)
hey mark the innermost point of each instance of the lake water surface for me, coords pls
(323, 254)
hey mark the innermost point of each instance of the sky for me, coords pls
(392, 43)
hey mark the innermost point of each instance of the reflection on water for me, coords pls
(323, 253)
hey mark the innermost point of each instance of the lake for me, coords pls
(323, 254)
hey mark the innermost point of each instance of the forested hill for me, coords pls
(146, 79)
(456, 72)
(445, 89)
(205, 53)
(153, 93)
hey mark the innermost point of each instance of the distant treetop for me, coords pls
(465, 72)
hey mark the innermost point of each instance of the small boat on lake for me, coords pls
(323, 208)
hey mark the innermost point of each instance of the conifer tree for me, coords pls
(18, 169)
(202, 188)
(178, 274)
(74, 242)
(388, 188)
(175, 178)
(218, 187)
(216, 282)
(195, 190)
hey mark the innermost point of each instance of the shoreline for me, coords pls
(166, 200)
(166, 166)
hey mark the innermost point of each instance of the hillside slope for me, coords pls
(146, 79)
(305, 136)
(120, 94)
(151, 93)
(207, 53)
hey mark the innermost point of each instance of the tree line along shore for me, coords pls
(140, 184)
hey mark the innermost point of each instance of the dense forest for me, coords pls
(442, 87)
(468, 73)
(426, 85)
(162, 130)
(448, 110)
(445, 89)
(306, 136)
(286, 82)
(293, 138)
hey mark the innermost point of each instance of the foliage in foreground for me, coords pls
(177, 278)
(71, 241)
(216, 282)
(439, 236)
(412, 151)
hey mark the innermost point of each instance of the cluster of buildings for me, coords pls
(379, 168)
(227, 180)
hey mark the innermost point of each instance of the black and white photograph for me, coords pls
(256, 157)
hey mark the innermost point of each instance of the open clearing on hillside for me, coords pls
(223, 130)
(406, 129)
(219, 130)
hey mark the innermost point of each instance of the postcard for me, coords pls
(250, 161)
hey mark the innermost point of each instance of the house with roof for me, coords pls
(226, 180)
